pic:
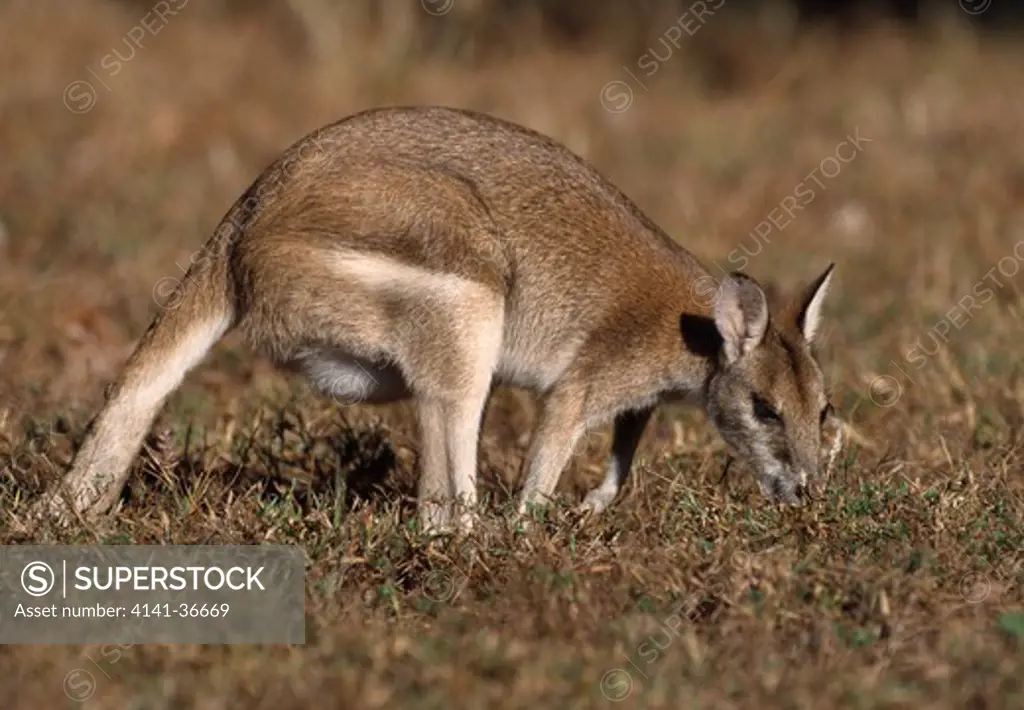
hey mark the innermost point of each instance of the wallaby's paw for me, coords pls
(435, 518)
(50, 509)
(522, 519)
(466, 523)
(53, 509)
(462, 525)
(522, 523)
(435, 528)
(597, 501)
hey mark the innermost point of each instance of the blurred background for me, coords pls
(770, 136)
(128, 128)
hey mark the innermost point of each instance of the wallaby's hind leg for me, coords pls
(441, 330)
(459, 412)
(462, 438)
(435, 491)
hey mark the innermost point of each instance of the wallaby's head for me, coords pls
(767, 395)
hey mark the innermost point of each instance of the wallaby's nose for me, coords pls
(781, 491)
(803, 493)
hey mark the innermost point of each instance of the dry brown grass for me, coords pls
(901, 587)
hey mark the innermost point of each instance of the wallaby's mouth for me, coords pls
(796, 492)
(783, 491)
(776, 487)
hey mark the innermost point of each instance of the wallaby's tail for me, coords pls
(197, 312)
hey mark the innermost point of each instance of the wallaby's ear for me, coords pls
(741, 315)
(806, 309)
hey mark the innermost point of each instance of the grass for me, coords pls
(899, 587)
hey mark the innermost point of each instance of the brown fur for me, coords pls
(495, 226)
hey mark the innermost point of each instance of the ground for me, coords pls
(899, 587)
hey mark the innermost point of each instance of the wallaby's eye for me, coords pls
(764, 411)
(825, 412)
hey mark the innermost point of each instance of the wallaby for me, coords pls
(432, 252)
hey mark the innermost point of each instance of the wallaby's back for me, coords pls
(552, 212)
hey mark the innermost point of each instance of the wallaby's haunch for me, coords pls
(429, 252)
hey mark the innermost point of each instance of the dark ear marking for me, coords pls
(700, 335)
(825, 412)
